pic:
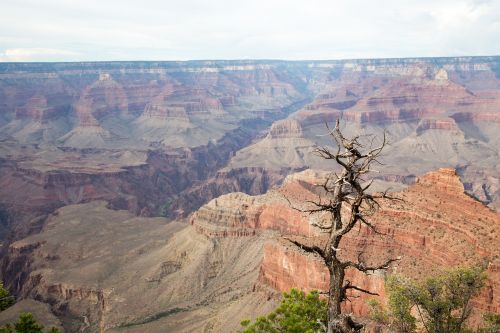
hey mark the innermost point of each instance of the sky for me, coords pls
(102, 30)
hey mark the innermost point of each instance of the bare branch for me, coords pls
(348, 285)
(385, 195)
(308, 248)
(371, 226)
(360, 266)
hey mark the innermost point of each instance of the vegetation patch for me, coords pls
(153, 317)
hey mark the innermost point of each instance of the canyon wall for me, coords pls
(432, 116)
(102, 270)
(435, 226)
(96, 126)
(138, 135)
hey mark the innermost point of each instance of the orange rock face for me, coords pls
(436, 226)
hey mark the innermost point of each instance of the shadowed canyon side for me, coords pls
(134, 134)
(231, 261)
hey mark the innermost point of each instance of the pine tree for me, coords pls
(27, 324)
(297, 313)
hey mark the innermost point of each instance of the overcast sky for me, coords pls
(86, 30)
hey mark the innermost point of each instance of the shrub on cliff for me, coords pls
(26, 324)
(442, 302)
(297, 313)
(492, 323)
(6, 299)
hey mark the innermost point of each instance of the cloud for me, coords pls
(286, 29)
(460, 14)
(36, 54)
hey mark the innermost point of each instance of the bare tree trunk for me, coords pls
(337, 321)
(336, 295)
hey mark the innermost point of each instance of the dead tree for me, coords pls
(346, 201)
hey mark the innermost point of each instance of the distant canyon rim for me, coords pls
(103, 164)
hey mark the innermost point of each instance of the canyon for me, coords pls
(73, 133)
(153, 196)
(111, 271)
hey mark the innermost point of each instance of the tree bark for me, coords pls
(336, 291)
(337, 321)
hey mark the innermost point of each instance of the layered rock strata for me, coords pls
(234, 258)
(435, 222)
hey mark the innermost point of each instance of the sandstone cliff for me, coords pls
(436, 226)
(109, 271)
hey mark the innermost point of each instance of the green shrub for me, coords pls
(297, 313)
(442, 302)
(6, 300)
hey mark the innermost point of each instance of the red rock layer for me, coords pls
(399, 100)
(320, 116)
(194, 101)
(36, 109)
(105, 96)
(284, 267)
(403, 101)
(83, 110)
(436, 226)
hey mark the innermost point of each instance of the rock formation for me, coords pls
(104, 271)
(436, 221)
(110, 271)
(150, 135)
(100, 134)
(284, 146)
(35, 121)
(431, 119)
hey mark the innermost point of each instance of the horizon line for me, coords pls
(252, 60)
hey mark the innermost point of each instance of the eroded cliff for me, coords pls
(435, 226)
(104, 270)
(99, 127)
